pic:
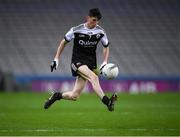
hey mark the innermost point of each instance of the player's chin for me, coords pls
(93, 25)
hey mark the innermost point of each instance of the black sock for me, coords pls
(59, 96)
(105, 100)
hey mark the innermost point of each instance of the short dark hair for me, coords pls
(95, 12)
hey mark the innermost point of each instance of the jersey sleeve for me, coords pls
(104, 40)
(69, 35)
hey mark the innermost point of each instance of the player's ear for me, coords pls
(87, 17)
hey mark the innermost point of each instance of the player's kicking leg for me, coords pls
(85, 72)
(69, 95)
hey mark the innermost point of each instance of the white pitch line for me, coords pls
(49, 130)
(155, 129)
(85, 129)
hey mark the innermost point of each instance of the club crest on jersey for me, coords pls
(98, 36)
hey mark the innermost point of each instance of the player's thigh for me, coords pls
(86, 73)
(79, 85)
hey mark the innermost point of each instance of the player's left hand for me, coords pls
(54, 64)
(102, 66)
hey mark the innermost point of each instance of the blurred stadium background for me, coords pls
(144, 37)
(144, 42)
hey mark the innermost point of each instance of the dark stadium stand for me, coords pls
(144, 34)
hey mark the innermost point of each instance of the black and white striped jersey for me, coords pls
(85, 42)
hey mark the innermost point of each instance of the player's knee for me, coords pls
(74, 99)
(75, 96)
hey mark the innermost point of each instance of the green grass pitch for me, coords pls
(141, 114)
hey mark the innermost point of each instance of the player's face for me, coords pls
(92, 21)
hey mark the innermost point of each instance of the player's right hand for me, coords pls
(102, 66)
(54, 64)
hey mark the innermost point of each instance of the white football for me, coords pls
(110, 71)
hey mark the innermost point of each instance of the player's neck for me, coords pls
(89, 26)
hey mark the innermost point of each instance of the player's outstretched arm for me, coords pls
(106, 54)
(105, 57)
(55, 62)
